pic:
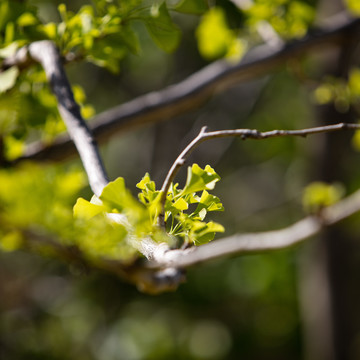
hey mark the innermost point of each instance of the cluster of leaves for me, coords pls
(140, 218)
(100, 33)
(29, 109)
(181, 221)
(343, 93)
(36, 204)
(318, 195)
(290, 19)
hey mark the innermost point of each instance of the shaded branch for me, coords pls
(194, 91)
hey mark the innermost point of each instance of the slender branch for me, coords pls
(243, 134)
(263, 241)
(163, 272)
(46, 53)
(194, 91)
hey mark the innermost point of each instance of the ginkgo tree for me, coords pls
(58, 201)
(167, 226)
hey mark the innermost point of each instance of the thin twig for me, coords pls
(194, 91)
(179, 162)
(243, 134)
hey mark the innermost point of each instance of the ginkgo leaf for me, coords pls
(202, 232)
(199, 179)
(162, 29)
(8, 78)
(86, 210)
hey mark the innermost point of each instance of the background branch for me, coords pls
(194, 91)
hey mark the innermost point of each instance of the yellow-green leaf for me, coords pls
(8, 78)
(86, 210)
(318, 195)
(213, 34)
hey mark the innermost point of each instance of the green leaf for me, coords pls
(118, 199)
(354, 82)
(201, 233)
(146, 183)
(213, 34)
(196, 7)
(9, 50)
(162, 29)
(130, 39)
(8, 78)
(27, 19)
(180, 204)
(115, 194)
(199, 179)
(208, 202)
(50, 30)
(318, 195)
(353, 6)
(86, 210)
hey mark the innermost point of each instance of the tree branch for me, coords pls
(243, 134)
(264, 241)
(46, 53)
(192, 92)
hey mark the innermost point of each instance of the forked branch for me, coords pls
(162, 270)
(243, 134)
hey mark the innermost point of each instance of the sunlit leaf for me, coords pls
(86, 210)
(27, 19)
(353, 6)
(9, 50)
(202, 233)
(213, 34)
(8, 78)
(319, 194)
(199, 179)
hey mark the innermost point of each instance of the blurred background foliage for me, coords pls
(247, 307)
